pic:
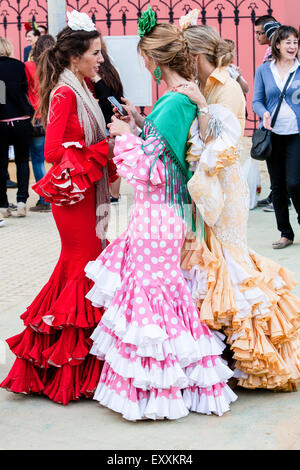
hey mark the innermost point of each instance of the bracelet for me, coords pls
(203, 111)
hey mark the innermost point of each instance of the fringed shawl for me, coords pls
(169, 123)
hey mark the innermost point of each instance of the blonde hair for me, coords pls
(206, 40)
(6, 47)
(166, 45)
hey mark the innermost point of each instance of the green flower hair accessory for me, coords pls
(146, 22)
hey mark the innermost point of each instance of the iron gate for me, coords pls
(233, 18)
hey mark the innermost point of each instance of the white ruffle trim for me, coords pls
(197, 282)
(247, 298)
(208, 404)
(152, 341)
(72, 144)
(170, 376)
(106, 284)
(208, 376)
(238, 374)
(162, 407)
(151, 408)
(220, 338)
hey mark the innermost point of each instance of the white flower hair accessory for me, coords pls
(189, 20)
(80, 21)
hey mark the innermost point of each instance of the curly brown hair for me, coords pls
(109, 73)
(166, 45)
(43, 42)
(55, 59)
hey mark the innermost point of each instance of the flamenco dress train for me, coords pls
(160, 361)
(237, 290)
(53, 351)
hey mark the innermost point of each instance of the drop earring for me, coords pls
(74, 69)
(157, 73)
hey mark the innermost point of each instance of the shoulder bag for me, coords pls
(261, 140)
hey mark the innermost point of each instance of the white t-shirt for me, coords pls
(233, 72)
(286, 123)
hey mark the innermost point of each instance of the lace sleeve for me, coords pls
(222, 150)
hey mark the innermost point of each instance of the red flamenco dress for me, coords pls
(53, 351)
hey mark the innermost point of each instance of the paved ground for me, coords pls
(258, 420)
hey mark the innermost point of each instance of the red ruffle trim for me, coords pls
(53, 359)
(62, 307)
(78, 169)
(65, 384)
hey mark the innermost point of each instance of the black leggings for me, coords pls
(284, 170)
(18, 134)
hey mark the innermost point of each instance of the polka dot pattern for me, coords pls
(153, 298)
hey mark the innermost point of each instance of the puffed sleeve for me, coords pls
(138, 160)
(76, 166)
(221, 150)
(207, 160)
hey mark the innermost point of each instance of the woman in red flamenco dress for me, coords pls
(52, 353)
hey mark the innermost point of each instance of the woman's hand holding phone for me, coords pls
(128, 119)
(118, 127)
(132, 114)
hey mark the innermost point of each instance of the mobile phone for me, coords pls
(117, 104)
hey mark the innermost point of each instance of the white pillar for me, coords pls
(56, 16)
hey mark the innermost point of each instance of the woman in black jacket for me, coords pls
(15, 126)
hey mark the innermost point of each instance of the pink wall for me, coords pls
(250, 54)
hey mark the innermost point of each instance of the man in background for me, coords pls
(42, 29)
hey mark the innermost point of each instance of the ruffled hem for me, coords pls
(148, 372)
(54, 359)
(106, 284)
(254, 307)
(151, 408)
(62, 385)
(68, 180)
(71, 383)
(145, 368)
(209, 404)
(165, 404)
(151, 340)
(58, 306)
(30, 345)
(106, 271)
(23, 378)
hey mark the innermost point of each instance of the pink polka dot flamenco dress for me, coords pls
(160, 361)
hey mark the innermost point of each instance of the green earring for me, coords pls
(157, 73)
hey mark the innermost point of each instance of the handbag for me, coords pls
(261, 139)
(38, 130)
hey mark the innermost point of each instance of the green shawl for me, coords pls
(169, 123)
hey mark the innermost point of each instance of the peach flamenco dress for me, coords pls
(238, 291)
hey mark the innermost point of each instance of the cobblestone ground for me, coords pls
(29, 251)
